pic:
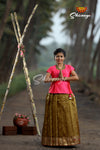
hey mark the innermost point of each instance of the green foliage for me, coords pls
(70, 6)
(2, 7)
(18, 83)
(40, 25)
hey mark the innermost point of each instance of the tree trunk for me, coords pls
(6, 61)
(4, 18)
(86, 48)
(93, 61)
(98, 70)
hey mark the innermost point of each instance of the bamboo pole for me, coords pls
(30, 94)
(16, 60)
(13, 69)
(25, 29)
(17, 24)
(13, 22)
(9, 83)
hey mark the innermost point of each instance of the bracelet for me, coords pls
(57, 79)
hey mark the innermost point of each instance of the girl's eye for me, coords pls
(59, 56)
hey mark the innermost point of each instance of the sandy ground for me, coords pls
(88, 112)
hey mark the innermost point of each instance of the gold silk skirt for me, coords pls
(61, 127)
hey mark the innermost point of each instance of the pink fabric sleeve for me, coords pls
(49, 70)
(71, 68)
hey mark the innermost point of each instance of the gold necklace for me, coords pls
(61, 68)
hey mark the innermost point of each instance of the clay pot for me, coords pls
(20, 122)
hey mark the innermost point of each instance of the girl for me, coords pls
(60, 126)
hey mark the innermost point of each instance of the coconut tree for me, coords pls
(37, 30)
(82, 33)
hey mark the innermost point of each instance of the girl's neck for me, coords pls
(60, 66)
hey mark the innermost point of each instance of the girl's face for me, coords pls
(59, 58)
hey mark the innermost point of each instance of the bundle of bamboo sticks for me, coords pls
(20, 38)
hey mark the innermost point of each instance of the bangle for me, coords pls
(65, 78)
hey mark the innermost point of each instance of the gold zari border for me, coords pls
(60, 141)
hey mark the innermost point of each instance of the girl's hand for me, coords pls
(64, 79)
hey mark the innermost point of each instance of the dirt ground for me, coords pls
(88, 112)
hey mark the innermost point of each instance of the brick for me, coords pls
(9, 130)
(29, 130)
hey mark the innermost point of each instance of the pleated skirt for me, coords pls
(61, 126)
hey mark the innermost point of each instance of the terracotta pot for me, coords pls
(20, 122)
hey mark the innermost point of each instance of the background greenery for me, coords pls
(18, 83)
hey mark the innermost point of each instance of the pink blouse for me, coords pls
(60, 86)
